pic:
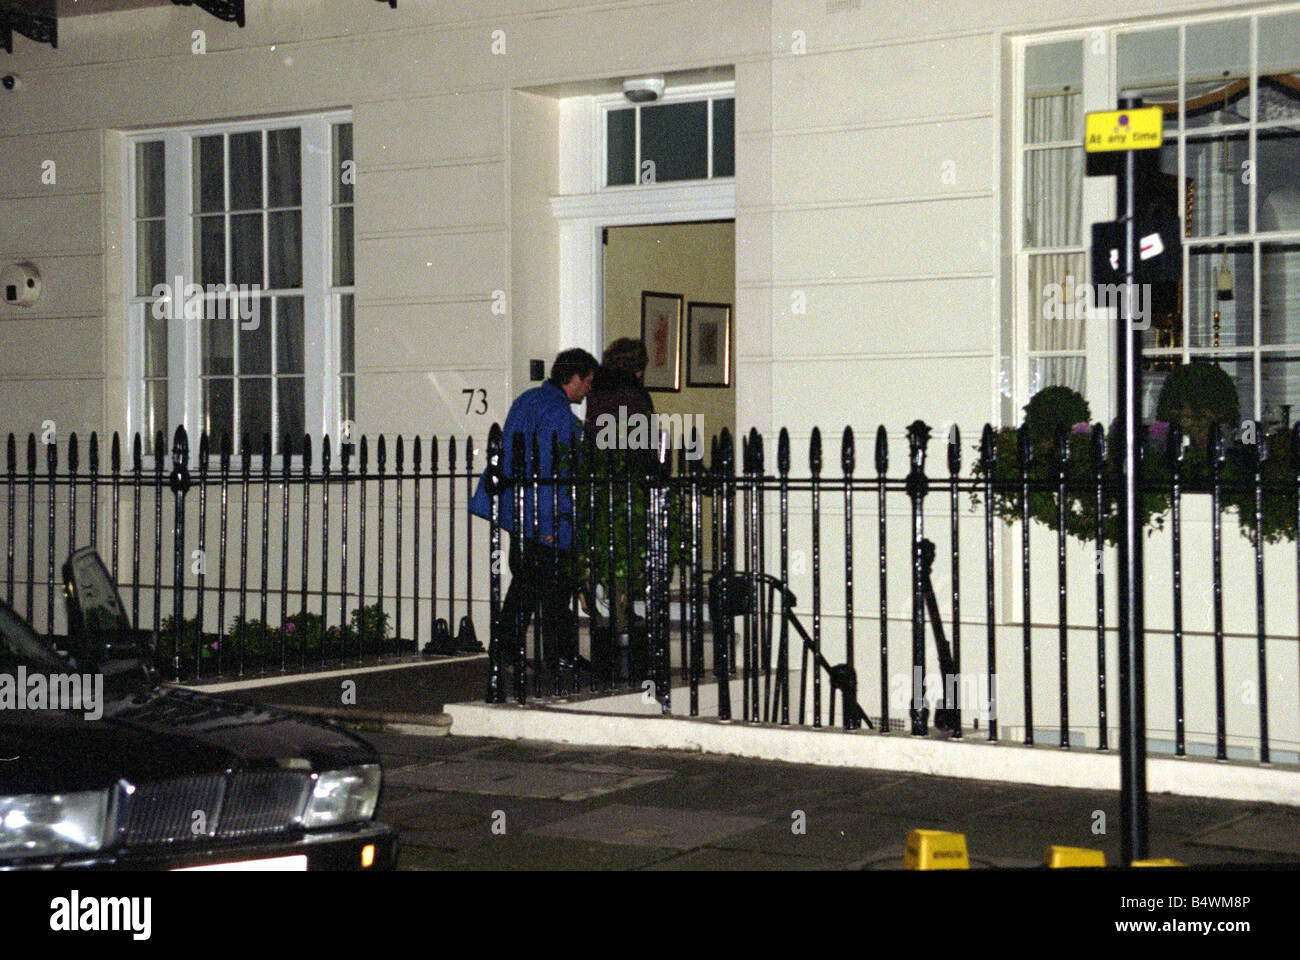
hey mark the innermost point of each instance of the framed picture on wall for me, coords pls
(708, 345)
(661, 331)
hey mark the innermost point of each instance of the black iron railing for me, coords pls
(1068, 483)
(251, 564)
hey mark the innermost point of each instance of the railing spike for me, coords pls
(815, 451)
(848, 452)
(882, 450)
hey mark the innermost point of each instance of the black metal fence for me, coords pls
(642, 531)
(248, 564)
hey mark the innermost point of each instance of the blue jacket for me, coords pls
(542, 412)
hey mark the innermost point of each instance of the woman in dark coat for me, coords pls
(617, 384)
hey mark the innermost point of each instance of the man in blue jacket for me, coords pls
(538, 558)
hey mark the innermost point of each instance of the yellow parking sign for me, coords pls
(1141, 129)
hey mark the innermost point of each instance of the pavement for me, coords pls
(467, 803)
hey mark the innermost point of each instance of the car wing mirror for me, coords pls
(97, 622)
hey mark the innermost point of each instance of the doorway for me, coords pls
(693, 361)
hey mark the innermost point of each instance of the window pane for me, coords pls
(155, 411)
(1280, 293)
(246, 170)
(289, 410)
(1053, 85)
(1279, 66)
(1053, 197)
(1148, 63)
(218, 412)
(1155, 371)
(218, 346)
(347, 334)
(1234, 325)
(674, 137)
(150, 192)
(246, 248)
(1242, 371)
(1279, 386)
(150, 256)
(1218, 202)
(288, 335)
(343, 266)
(620, 146)
(344, 169)
(1277, 179)
(1057, 371)
(285, 251)
(255, 343)
(155, 345)
(1220, 50)
(254, 410)
(209, 174)
(1057, 302)
(724, 138)
(210, 250)
(284, 167)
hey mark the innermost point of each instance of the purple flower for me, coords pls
(1158, 431)
(212, 645)
(1081, 428)
(289, 627)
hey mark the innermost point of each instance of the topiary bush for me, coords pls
(1052, 408)
(1195, 395)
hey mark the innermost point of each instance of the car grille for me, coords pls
(245, 804)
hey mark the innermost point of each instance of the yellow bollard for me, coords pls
(935, 850)
(1061, 857)
(1158, 862)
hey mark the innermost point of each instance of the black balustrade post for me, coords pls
(1175, 456)
(1261, 637)
(1062, 444)
(815, 468)
(882, 468)
(286, 478)
(397, 546)
(179, 481)
(31, 537)
(201, 567)
(918, 438)
(558, 644)
(306, 527)
(433, 541)
(518, 462)
(325, 548)
(51, 472)
(952, 688)
(115, 494)
(245, 466)
(494, 484)
(466, 628)
(1217, 454)
(724, 632)
(697, 583)
(415, 543)
(783, 650)
(1099, 559)
(381, 458)
(1295, 459)
(988, 459)
(223, 534)
(541, 637)
(762, 638)
(93, 478)
(363, 475)
(11, 483)
(1026, 456)
(73, 456)
(159, 465)
(848, 461)
(263, 572)
(747, 633)
(451, 533)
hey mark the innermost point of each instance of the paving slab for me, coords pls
(568, 781)
(682, 829)
(1265, 831)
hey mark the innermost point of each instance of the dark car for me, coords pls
(101, 766)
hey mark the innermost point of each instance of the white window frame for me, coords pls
(603, 104)
(321, 389)
(1100, 91)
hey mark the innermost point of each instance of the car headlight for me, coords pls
(343, 796)
(36, 824)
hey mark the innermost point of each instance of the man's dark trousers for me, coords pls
(540, 573)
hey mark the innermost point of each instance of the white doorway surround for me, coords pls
(584, 207)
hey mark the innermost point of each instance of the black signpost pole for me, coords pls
(1132, 682)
